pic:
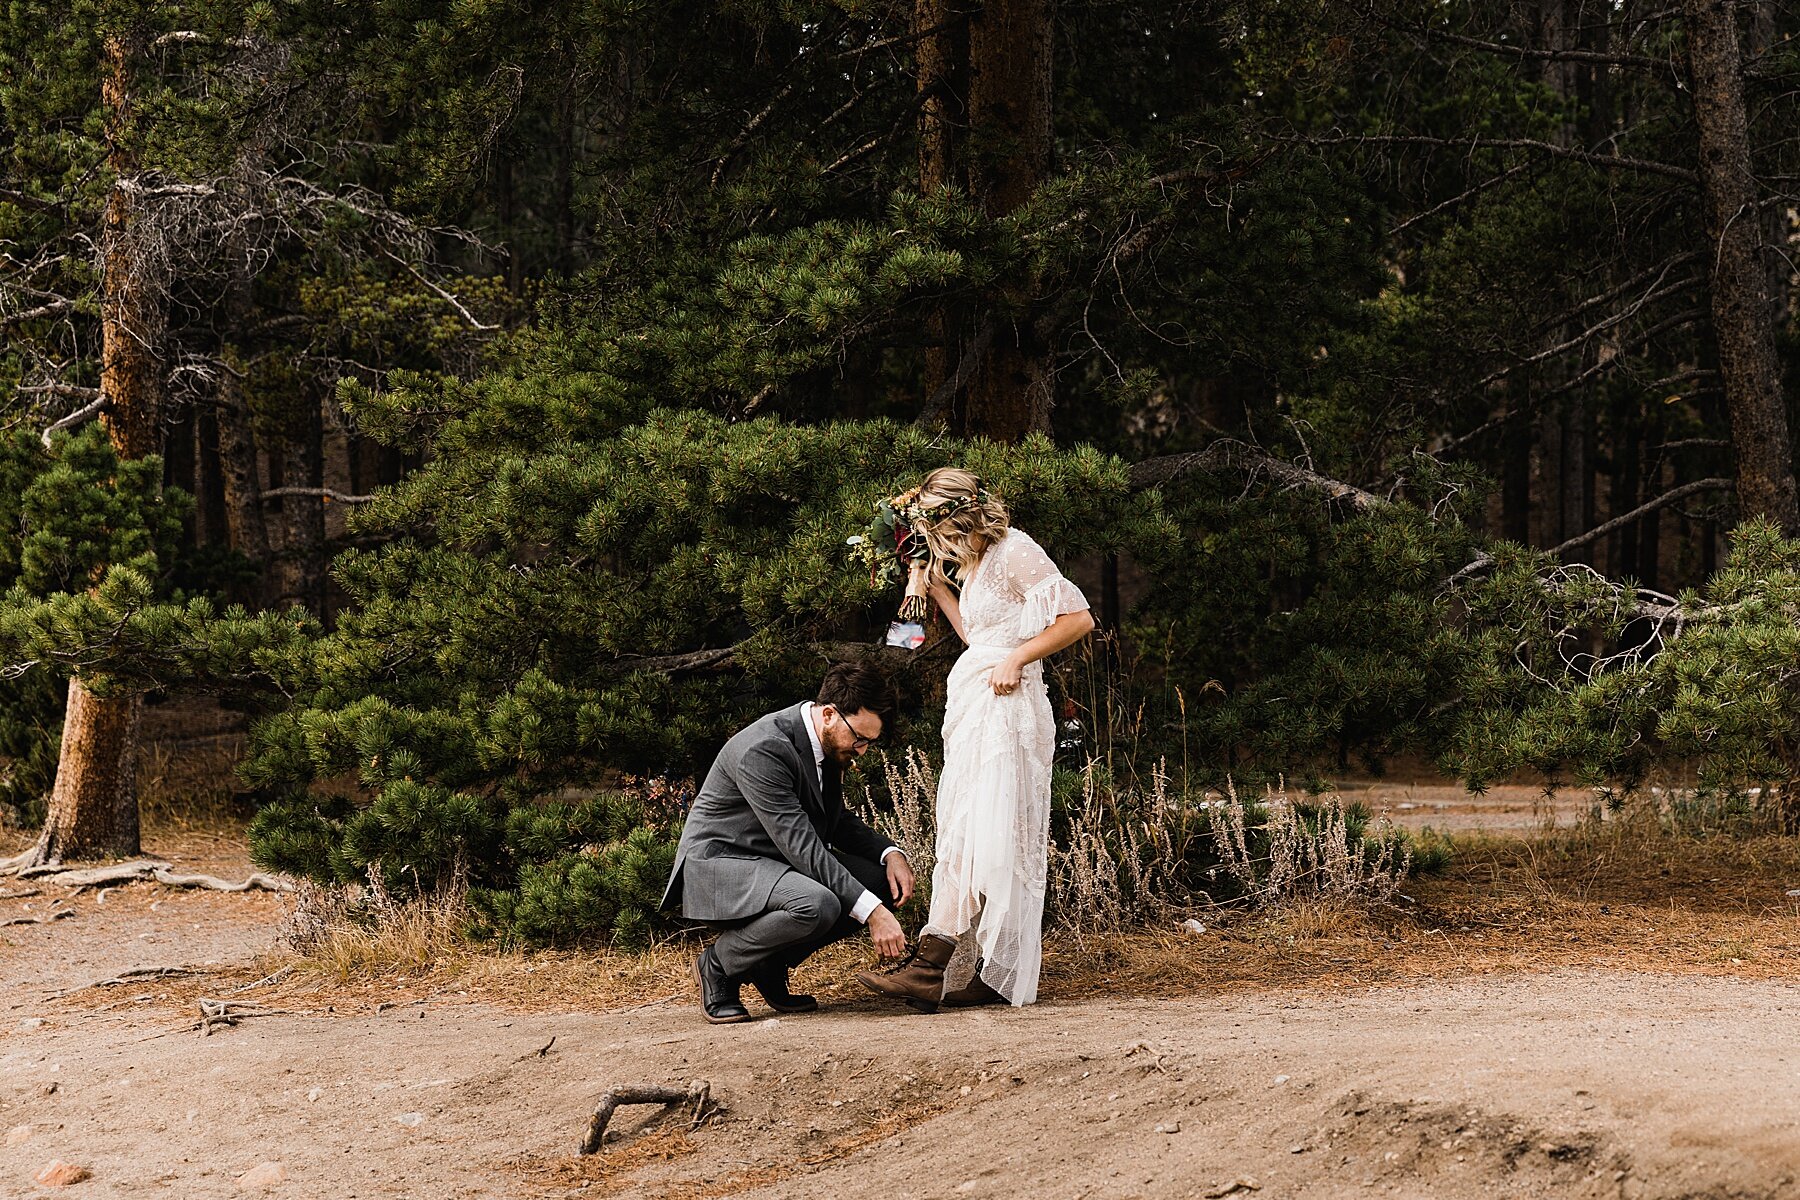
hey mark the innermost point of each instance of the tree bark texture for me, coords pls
(93, 805)
(943, 88)
(130, 313)
(246, 528)
(1741, 311)
(1010, 52)
(303, 546)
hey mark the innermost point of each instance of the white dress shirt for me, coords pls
(868, 902)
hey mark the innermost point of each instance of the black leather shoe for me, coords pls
(718, 991)
(771, 980)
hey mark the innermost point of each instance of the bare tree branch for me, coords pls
(92, 408)
(1647, 166)
(1587, 56)
(1643, 510)
(1231, 454)
(326, 493)
(32, 314)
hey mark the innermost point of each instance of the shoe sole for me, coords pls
(913, 1002)
(700, 990)
(791, 1008)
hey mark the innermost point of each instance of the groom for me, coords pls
(754, 861)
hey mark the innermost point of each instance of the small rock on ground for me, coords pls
(262, 1175)
(58, 1173)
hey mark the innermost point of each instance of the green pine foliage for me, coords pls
(523, 632)
(1604, 695)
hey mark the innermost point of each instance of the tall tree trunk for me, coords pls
(1649, 555)
(246, 527)
(303, 547)
(1626, 494)
(1515, 482)
(1009, 131)
(563, 182)
(93, 805)
(942, 27)
(1549, 524)
(244, 521)
(1563, 455)
(210, 526)
(1575, 491)
(180, 454)
(1741, 315)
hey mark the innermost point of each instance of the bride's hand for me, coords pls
(1005, 677)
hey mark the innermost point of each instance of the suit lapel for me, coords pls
(795, 727)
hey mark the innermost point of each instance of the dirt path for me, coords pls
(1577, 1082)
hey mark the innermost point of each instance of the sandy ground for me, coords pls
(1571, 1082)
(1451, 808)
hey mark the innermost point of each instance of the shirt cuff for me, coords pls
(890, 850)
(865, 905)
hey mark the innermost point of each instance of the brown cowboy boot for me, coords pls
(973, 993)
(919, 978)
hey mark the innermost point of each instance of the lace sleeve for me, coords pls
(1033, 578)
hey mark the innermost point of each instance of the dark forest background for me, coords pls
(478, 396)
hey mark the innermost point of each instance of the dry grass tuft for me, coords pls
(1310, 857)
(910, 822)
(346, 934)
(1622, 895)
(187, 786)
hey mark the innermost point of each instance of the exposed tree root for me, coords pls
(698, 1093)
(255, 880)
(66, 875)
(22, 894)
(21, 864)
(135, 975)
(144, 868)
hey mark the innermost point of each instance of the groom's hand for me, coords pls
(885, 932)
(900, 878)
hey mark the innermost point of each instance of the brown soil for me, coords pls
(1586, 1015)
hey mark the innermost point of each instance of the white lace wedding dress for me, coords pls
(993, 800)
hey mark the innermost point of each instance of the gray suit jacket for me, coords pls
(760, 813)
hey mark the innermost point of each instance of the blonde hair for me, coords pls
(965, 535)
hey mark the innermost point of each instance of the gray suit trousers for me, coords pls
(803, 915)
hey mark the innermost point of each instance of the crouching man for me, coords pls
(756, 855)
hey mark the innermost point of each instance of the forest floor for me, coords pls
(1598, 1012)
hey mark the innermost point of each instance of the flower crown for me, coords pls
(897, 535)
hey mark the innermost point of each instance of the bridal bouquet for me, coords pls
(896, 537)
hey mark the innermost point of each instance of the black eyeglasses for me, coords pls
(862, 743)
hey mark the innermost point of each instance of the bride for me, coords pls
(1008, 602)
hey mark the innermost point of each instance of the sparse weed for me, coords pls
(360, 932)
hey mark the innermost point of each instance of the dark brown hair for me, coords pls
(853, 687)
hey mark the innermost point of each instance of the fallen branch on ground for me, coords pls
(699, 1093)
(55, 916)
(275, 976)
(21, 894)
(230, 1012)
